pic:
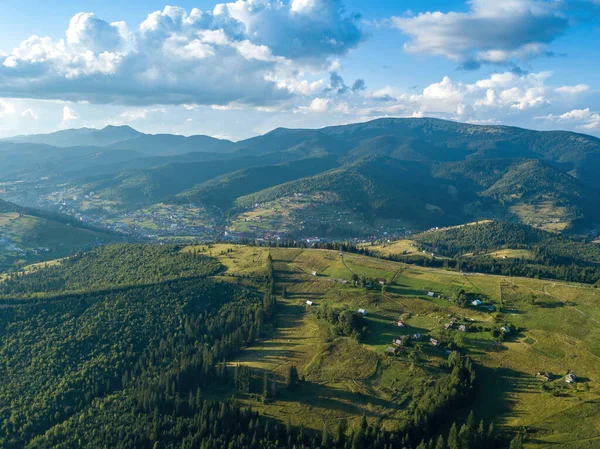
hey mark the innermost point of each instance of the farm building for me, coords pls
(546, 376)
(309, 303)
(476, 302)
(570, 378)
(434, 342)
(363, 312)
(399, 341)
(382, 281)
(505, 329)
(448, 326)
(391, 350)
(314, 273)
(431, 294)
(416, 337)
(402, 324)
(462, 328)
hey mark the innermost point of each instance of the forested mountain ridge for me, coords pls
(509, 248)
(419, 172)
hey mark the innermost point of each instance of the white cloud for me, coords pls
(30, 113)
(251, 52)
(499, 98)
(583, 119)
(318, 105)
(491, 31)
(88, 32)
(69, 115)
(135, 114)
(7, 109)
(573, 90)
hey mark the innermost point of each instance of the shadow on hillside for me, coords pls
(497, 389)
(357, 403)
(549, 305)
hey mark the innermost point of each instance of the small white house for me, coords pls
(476, 302)
(570, 378)
(431, 294)
(363, 312)
(309, 303)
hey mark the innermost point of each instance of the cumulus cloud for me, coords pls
(317, 105)
(252, 52)
(88, 32)
(583, 119)
(69, 115)
(491, 31)
(506, 97)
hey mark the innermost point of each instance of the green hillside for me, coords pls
(419, 173)
(28, 236)
(170, 346)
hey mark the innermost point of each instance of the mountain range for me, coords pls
(421, 172)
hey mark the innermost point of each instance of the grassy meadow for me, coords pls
(555, 328)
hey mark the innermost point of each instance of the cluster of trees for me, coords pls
(110, 267)
(437, 404)
(78, 365)
(550, 256)
(342, 322)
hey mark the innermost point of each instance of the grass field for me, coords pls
(27, 239)
(556, 327)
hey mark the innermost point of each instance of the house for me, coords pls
(382, 281)
(505, 329)
(448, 326)
(434, 342)
(462, 328)
(391, 350)
(570, 378)
(476, 302)
(314, 273)
(399, 341)
(309, 303)
(416, 337)
(363, 312)
(546, 376)
(402, 324)
(431, 294)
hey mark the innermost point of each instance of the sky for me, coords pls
(235, 70)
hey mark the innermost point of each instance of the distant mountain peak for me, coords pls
(120, 128)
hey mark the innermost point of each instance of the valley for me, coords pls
(365, 181)
(401, 283)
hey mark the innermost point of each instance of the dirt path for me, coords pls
(294, 335)
(346, 265)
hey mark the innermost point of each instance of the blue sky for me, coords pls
(238, 69)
